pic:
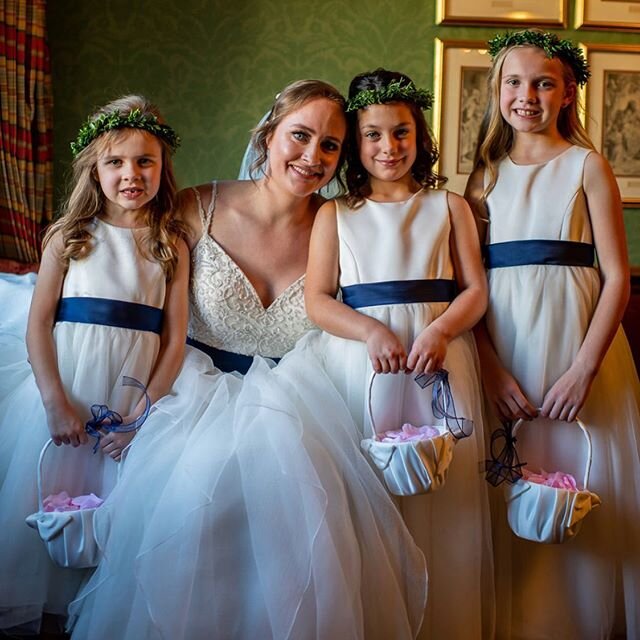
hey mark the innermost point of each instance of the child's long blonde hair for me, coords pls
(495, 137)
(86, 199)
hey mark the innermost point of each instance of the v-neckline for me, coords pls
(245, 278)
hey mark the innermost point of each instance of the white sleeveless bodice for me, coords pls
(115, 269)
(551, 194)
(407, 240)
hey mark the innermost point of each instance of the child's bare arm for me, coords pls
(65, 425)
(429, 349)
(170, 355)
(385, 350)
(567, 396)
(503, 391)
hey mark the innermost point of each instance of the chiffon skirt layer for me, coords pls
(589, 587)
(29, 582)
(254, 517)
(452, 525)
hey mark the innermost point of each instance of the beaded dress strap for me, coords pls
(205, 218)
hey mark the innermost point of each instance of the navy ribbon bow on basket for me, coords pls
(505, 464)
(441, 400)
(104, 419)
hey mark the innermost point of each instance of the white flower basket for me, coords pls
(414, 467)
(549, 514)
(67, 535)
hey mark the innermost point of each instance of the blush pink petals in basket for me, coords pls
(64, 502)
(558, 480)
(408, 433)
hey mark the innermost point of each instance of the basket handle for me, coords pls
(443, 385)
(44, 450)
(587, 437)
(370, 406)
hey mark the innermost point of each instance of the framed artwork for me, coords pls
(608, 14)
(460, 98)
(612, 101)
(502, 12)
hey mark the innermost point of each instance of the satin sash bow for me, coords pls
(441, 400)
(104, 419)
(505, 464)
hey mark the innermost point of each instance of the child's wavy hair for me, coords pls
(495, 137)
(293, 97)
(87, 200)
(357, 178)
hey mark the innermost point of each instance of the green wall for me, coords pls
(214, 66)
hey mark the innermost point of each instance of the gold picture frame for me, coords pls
(548, 13)
(608, 14)
(460, 76)
(612, 105)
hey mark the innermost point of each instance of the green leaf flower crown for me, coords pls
(393, 92)
(552, 46)
(135, 119)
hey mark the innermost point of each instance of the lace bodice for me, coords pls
(225, 309)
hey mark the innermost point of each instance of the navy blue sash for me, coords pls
(112, 313)
(374, 294)
(225, 360)
(521, 252)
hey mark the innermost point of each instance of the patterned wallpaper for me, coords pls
(213, 66)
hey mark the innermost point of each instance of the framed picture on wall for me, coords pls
(460, 98)
(502, 12)
(608, 14)
(612, 101)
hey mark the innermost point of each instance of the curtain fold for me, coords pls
(26, 150)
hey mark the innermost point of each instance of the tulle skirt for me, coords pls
(246, 510)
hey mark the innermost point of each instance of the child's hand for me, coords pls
(112, 443)
(428, 351)
(386, 352)
(566, 397)
(65, 425)
(505, 395)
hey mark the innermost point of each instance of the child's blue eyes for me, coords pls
(542, 84)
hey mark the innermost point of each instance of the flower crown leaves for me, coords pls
(552, 46)
(135, 119)
(395, 91)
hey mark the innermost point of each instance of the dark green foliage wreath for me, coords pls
(135, 119)
(394, 92)
(552, 46)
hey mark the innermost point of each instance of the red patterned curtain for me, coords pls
(26, 154)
